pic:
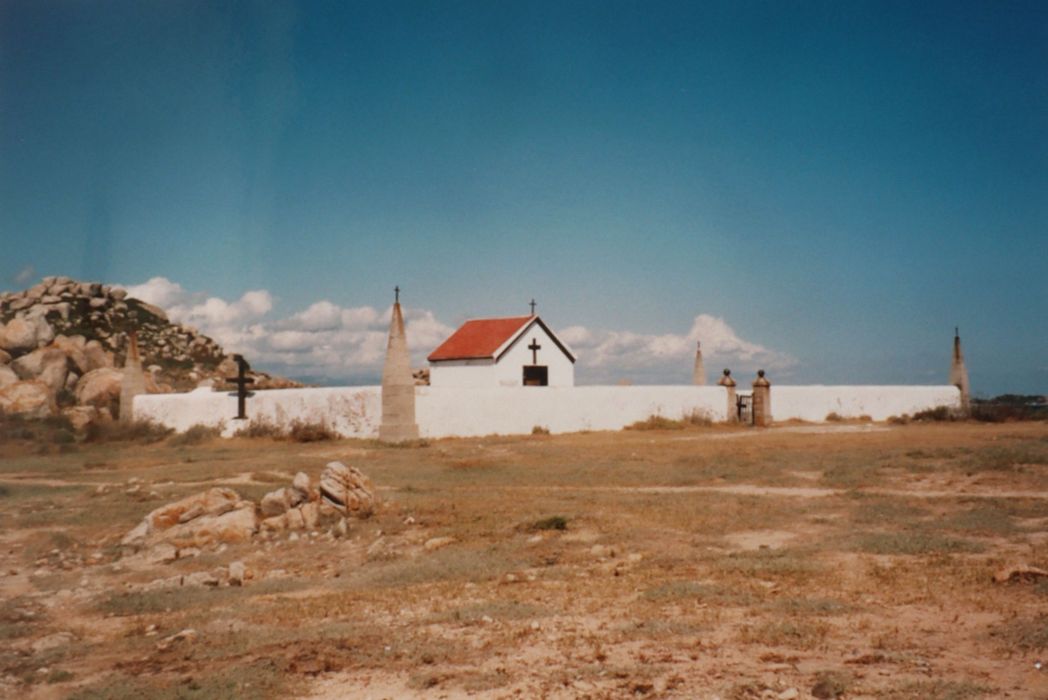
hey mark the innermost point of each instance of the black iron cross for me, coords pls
(534, 347)
(396, 291)
(532, 305)
(241, 380)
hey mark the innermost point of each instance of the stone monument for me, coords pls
(698, 374)
(133, 383)
(728, 383)
(761, 401)
(959, 373)
(398, 385)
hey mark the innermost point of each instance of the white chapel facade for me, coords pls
(502, 352)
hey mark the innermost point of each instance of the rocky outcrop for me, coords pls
(216, 515)
(221, 515)
(62, 332)
(23, 333)
(99, 388)
(49, 365)
(31, 399)
(347, 490)
(80, 417)
(280, 501)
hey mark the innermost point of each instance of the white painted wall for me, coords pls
(463, 373)
(516, 410)
(509, 370)
(813, 403)
(351, 411)
(466, 411)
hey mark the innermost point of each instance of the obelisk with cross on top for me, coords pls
(241, 381)
(398, 385)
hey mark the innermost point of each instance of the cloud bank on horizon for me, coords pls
(326, 342)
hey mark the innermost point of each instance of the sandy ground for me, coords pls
(805, 561)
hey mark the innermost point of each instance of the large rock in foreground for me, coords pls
(215, 515)
(347, 490)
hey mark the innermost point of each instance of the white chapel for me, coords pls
(493, 352)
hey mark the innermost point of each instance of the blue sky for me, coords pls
(825, 189)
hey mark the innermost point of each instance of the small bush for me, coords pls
(261, 428)
(696, 417)
(195, 434)
(556, 522)
(831, 684)
(141, 431)
(302, 431)
(298, 431)
(834, 417)
(899, 420)
(59, 676)
(656, 422)
(540, 430)
(939, 414)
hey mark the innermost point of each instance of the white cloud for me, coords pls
(24, 276)
(607, 355)
(159, 291)
(343, 342)
(321, 316)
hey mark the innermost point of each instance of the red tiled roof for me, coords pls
(479, 338)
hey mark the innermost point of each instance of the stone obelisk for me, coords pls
(133, 383)
(698, 374)
(398, 386)
(761, 400)
(728, 383)
(959, 373)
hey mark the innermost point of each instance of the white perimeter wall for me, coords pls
(813, 403)
(352, 411)
(470, 411)
(515, 410)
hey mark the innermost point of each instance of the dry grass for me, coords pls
(194, 435)
(610, 565)
(140, 431)
(695, 419)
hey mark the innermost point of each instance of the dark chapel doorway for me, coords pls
(536, 375)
